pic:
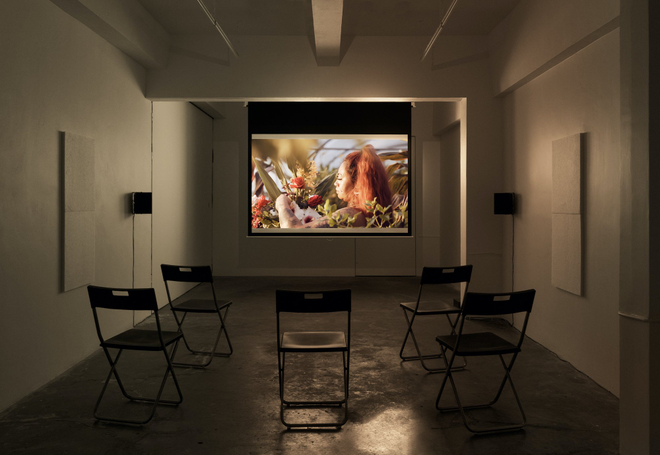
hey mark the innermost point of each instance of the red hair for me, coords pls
(369, 178)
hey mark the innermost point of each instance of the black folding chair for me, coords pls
(185, 305)
(434, 276)
(313, 342)
(486, 344)
(133, 340)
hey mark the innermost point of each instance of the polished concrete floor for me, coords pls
(232, 406)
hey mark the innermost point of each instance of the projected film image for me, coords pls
(331, 184)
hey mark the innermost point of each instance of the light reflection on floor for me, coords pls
(388, 432)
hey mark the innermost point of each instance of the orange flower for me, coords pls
(297, 182)
(255, 219)
(261, 202)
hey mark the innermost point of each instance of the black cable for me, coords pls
(133, 283)
(151, 227)
(513, 245)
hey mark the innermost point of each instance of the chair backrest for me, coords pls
(483, 304)
(122, 299)
(446, 275)
(495, 304)
(186, 273)
(313, 301)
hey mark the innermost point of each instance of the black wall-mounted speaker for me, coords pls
(141, 202)
(504, 204)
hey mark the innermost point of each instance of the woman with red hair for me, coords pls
(360, 178)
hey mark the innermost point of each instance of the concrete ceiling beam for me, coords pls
(126, 25)
(327, 16)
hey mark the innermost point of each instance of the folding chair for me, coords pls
(134, 340)
(434, 276)
(196, 274)
(486, 344)
(311, 342)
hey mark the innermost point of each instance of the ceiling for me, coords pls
(359, 18)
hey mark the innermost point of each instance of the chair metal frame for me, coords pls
(135, 340)
(313, 302)
(432, 276)
(486, 344)
(196, 274)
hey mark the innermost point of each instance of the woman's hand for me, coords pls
(287, 218)
(283, 203)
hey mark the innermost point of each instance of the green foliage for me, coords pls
(335, 217)
(399, 184)
(392, 168)
(325, 185)
(265, 217)
(270, 222)
(272, 189)
(280, 173)
(382, 217)
(397, 171)
(394, 156)
(400, 215)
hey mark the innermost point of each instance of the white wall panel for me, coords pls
(566, 213)
(79, 219)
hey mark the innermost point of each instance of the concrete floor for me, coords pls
(232, 407)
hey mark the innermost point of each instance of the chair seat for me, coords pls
(199, 306)
(483, 343)
(144, 340)
(313, 341)
(431, 307)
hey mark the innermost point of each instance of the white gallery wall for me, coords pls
(59, 76)
(182, 190)
(449, 200)
(578, 93)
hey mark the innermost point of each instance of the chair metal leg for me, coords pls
(421, 357)
(113, 371)
(444, 380)
(280, 369)
(212, 353)
(462, 409)
(286, 404)
(507, 376)
(156, 401)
